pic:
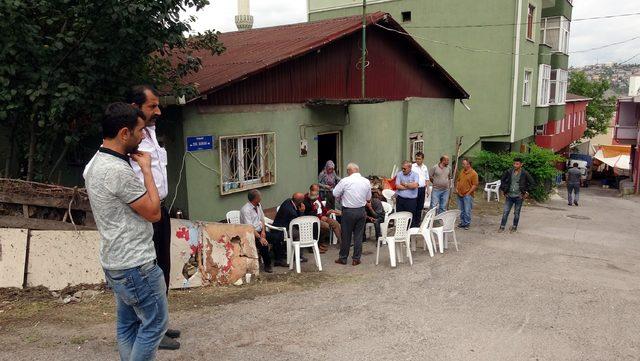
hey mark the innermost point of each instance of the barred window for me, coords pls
(247, 162)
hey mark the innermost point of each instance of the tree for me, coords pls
(600, 109)
(62, 61)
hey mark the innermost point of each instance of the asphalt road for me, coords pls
(565, 287)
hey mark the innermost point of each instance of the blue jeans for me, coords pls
(439, 198)
(141, 310)
(465, 205)
(509, 203)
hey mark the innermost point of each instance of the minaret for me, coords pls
(244, 20)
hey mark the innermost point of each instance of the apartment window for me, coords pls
(416, 144)
(562, 125)
(555, 33)
(406, 16)
(247, 162)
(530, 21)
(526, 91)
(540, 129)
(544, 88)
(558, 86)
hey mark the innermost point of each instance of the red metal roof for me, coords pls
(253, 51)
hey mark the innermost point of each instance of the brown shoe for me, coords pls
(356, 262)
(341, 261)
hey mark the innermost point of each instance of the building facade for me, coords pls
(627, 132)
(282, 101)
(558, 135)
(511, 55)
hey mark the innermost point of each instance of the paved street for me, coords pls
(564, 288)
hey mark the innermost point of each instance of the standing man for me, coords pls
(146, 98)
(423, 184)
(466, 186)
(574, 177)
(355, 192)
(123, 208)
(515, 184)
(251, 213)
(407, 183)
(441, 178)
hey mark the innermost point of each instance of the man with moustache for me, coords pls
(123, 209)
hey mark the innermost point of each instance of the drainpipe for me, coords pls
(516, 70)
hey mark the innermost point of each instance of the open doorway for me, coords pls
(329, 149)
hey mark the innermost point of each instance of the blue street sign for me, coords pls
(203, 142)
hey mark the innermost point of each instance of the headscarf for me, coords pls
(330, 179)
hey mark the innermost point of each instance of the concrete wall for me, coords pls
(13, 252)
(373, 135)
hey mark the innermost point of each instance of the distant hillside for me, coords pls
(617, 74)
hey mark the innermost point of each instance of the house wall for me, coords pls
(486, 75)
(373, 135)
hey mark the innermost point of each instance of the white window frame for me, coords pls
(558, 82)
(564, 30)
(544, 85)
(234, 180)
(540, 129)
(526, 86)
(531, 22)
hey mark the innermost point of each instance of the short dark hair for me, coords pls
(575, 164)
(253, 194)
(137, 95)
(420, 154)
(117, 116)
(467, 159)
(517, 159)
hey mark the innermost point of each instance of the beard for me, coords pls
(132, 149)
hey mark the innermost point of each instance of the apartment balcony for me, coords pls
(627, 125)
(561, 140)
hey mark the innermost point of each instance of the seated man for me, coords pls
(313, 207)
(290, 209)
(251, 213)
(375, 211)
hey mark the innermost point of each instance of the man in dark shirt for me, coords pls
(313, 204)
(289, 210)
(515, 184)
(574, 177)
(375, 212)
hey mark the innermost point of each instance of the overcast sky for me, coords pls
(584, 34)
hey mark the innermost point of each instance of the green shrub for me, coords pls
(539, 162)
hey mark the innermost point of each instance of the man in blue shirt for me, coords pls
(407, 183)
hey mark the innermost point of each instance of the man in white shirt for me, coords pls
(354, 192)
(146, 98)
(251, 213)
(423, 185)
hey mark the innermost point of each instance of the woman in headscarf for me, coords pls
(328, 177)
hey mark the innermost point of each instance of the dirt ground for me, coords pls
(565, 287)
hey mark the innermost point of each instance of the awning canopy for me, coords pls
(621, 163)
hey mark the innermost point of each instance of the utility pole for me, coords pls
(364, 47)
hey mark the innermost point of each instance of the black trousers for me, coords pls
(407, 205)
(417, 214)
(276, 240)
(353, 221)
(162, 243)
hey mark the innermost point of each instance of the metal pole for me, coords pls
(364, 46)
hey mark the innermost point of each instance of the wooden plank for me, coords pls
(38, 224)
(44, 202)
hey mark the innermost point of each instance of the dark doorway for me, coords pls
(328, 149)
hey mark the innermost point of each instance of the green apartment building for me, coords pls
(510, 55)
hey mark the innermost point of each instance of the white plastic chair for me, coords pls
(388, 195)
(402, 222)
(268, 222)
(448, 220)
(425, 231)
(306, 226)
(427, 199)
(233, 217)
(492, 188)
(388, 209)
(333, 239)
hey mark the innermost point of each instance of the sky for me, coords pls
(219, 15)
